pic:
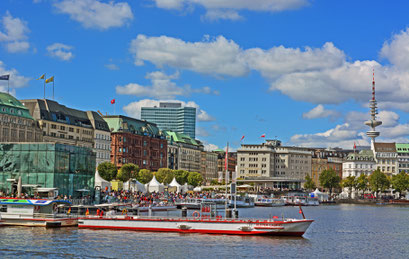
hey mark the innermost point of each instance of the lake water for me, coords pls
(339, 231)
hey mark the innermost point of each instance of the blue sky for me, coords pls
(298, 70)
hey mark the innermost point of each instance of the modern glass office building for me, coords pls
(173, 117)
(70, 169)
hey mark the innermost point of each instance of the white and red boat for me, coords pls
(199, 224)
(35, 213)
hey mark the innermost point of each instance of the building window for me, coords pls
(62, 136)
(71, 129)
(62, 127)
(53, 126)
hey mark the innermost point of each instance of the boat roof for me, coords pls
(37, 202)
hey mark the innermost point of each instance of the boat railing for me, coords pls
(41, 215)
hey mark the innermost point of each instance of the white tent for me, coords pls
(134, 185)
(319, 195)
(186, 187)
(175, 183)
(155, 186)
(99, 181)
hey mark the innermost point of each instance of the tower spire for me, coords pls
(373, 123)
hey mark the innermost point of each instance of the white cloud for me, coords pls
(214, 15)
(162, 87)
(320, 112)
(112, 66)
(215, 57)
(209, 147)
(202, 132)
(60, 51)
(134, 109)
(397, 50)
(96, 14)
(14, 34)
(16, 80)
(228, 9)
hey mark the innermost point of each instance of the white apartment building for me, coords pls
(386, 158)
(359, 163)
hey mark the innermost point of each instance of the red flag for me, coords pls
(112, 101)
(242, 138)
(275, 217)
(263, 136)
(354, 146)
(300, 211)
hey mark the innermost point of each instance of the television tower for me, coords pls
(372, 123)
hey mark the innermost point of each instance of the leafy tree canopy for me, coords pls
(309, 183)
(329, 179)
(362, 182)
(164, 175)
(378, 181)
(194, 179)
(400, 182)
(145, 176)
(127, 172)
(107, 171)
(181, 176)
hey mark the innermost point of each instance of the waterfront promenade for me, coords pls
(339, 231)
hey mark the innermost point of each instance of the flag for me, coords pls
(354, 146)
(275, 217)
(51, 79)
(41, 77)
(69, 211)
(113, 101)
(5, 77)
(87, 212)
(242, 138)
(300, 211)
(263, 136)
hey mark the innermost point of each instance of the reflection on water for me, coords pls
(339, 231)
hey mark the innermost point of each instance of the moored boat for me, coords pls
(208, 222)
(35, 213)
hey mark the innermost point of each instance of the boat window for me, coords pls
(3, 208)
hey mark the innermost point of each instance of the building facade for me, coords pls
(273, 165)
(184, 152)
(324, 159)
(138, 142)
(70, 169)
(102, 137)
(61, 124)
(172, 117)
(386, 158)
(16, 123)
(403, 157)
(209, 166)
(358, 163)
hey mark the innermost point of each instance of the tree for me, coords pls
(181, 176)
(145, 176)
(378, 182)
(107, 171)
(214, 182)
(362, 182)
(127, 172)
(194, 179)
(400, 182)
(349, 182)
(309, 183)
(329, 179)
(164, 175)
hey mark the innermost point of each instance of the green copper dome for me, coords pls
(11, 106)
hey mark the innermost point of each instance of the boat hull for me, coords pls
(41, 222)
(205, 226)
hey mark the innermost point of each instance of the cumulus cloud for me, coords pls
(14, 34)
(16, 80)
(96, 14)
(228, 9)
(60, 51)
(320, 112)
(215, 57)
(162, 87)
(397, 50)
(134, 109)
(209, 146)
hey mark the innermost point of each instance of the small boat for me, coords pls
(300, 200)
(241, 202)
(268, 201)
(195, 203)
(206, 221)
(35, 213)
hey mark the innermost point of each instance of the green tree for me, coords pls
(107, 171)
(145, 176)
(309, 183)
(378, 182)
(194, 179)
(214, 182)
(400, 182)
(362, 183)
(164, 175)
(127, 172)
(329, 179)
(349, 182)
(181, 176)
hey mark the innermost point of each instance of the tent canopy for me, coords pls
(174, 183)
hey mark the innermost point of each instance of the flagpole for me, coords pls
(53, 89)
(45, 76)
(225, 178)
(8, 85)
